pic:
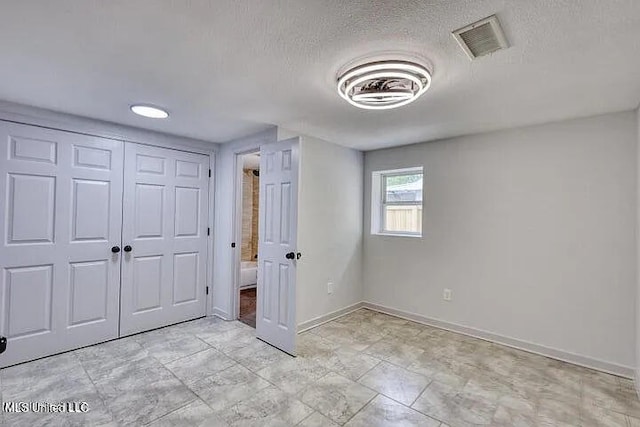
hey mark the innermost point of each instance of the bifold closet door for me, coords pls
(60, 210)
(164, 236)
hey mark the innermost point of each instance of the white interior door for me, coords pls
(165, 225)
(60, 210)
(276, 310)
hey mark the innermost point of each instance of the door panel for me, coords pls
(185, 277)
(147, 283)
(27, 192)
(29, 286)
(149, 205)
(276, 315)
(60, 215)
(164, 276)
(90, 218)
(90, 157)
(25, 148)
(89, 292)
(187, 212)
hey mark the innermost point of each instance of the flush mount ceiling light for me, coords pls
(149, 111)
(384, 84)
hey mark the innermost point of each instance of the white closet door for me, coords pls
(60, 210)
(165, 224)
(277, 241)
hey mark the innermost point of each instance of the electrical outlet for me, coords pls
(329, 287)
(447, 295)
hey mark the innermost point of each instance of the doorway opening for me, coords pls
(265, 241)
(248, 236)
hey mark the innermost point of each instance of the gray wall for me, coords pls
(532, 229)
(637, 364)
(329, 228)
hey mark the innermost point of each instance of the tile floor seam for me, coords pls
(204, 401)
(97, 390)
(342, 376)
(165, 363)
(187, 386)
(307, 417)
(360, 410)
(179, 358)
(429, 415)
(218, 372)
(206, 343)
(273, 384)
(616, 411)
(251, 368)
(397, 401)
(255, 373)
(394, 364)
(420, 394)
(172, 411)
(372, 368)
(356, 382)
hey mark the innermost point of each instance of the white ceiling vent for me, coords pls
(482, 37)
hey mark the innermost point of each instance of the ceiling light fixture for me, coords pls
(149, 111)
(383, 85)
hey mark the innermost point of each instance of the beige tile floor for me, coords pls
(364, 369)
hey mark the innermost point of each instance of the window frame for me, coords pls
(380, 203)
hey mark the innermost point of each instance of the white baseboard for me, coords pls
(317, 321)
(576, 359)
(636, 382)
(221, 314)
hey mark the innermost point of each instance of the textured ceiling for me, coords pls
(228, 68)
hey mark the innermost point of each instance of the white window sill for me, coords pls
(397, 235)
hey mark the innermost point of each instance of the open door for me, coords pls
(276, 311)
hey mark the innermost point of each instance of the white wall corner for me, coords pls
(317, 321)
(283, 134)
(222, 314)
(252, 141)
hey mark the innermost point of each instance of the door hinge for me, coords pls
(209, 173)
(3, 344)
(233, 245)
(207, 290)
(208, 231)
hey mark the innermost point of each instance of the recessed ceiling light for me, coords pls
(383, 85)
(149, 111)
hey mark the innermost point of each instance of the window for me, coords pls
(396, 203)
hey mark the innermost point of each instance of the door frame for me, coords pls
(34, 116)
(237, 228)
